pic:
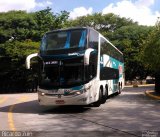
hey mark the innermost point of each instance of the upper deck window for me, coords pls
(64, 39)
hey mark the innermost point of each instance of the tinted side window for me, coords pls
(103, 47)
(93, 39)
(109, 73)
(107, 48)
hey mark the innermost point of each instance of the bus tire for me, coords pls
(105, 96)
(99, 102)
(119, 88)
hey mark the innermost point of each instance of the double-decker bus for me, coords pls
(78, 66)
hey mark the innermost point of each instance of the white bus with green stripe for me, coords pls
(77, 66)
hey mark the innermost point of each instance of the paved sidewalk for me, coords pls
(138, 85)
(150, 93)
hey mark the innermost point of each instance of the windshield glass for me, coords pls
(62, 74)
(64, 39)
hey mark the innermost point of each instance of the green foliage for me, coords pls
(44, 21)
(61, 19)
(17, 49)
(15, 52)
(129, 39)
(20, 35)
(13, 75)
(21, 25)
(47, 21)
(21, 32)
(103, 23)
(151, 54)
(125, 34)
(16, 24)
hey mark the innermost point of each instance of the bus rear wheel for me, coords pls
(105, 96)
(119, 88)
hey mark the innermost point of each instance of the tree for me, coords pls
(13, 75)
(17, 25)
(47, 21)
(125, 34)
(20, 35)
(21, 25)
(15, 52)
(129, 40)
(103, 23)
(151, 54)
(61, 19)
(44, 21)
(21, 32)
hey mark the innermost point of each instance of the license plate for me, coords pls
(59, 101)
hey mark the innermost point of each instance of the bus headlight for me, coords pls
(80, 91)
(41, 93)
(75, 92)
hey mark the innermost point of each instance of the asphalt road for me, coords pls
(130, 114)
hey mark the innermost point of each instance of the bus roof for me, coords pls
(65, 29)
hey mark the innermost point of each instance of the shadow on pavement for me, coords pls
(32, 107)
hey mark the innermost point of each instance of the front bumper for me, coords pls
(57, 100)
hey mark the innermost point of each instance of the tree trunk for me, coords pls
(157, 82)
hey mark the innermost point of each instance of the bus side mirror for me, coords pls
(28, 60)
(87, 56)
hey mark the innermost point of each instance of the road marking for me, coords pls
(3, 100)
(10, 114)
(10, 118)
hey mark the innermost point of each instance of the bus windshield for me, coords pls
(65, 39)
(64, 74)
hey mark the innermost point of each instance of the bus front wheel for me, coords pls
(99, 102)
(105, 96)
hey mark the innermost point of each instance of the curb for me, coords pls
(148, 93)
(146, 85)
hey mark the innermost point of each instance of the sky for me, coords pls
(145, 12)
